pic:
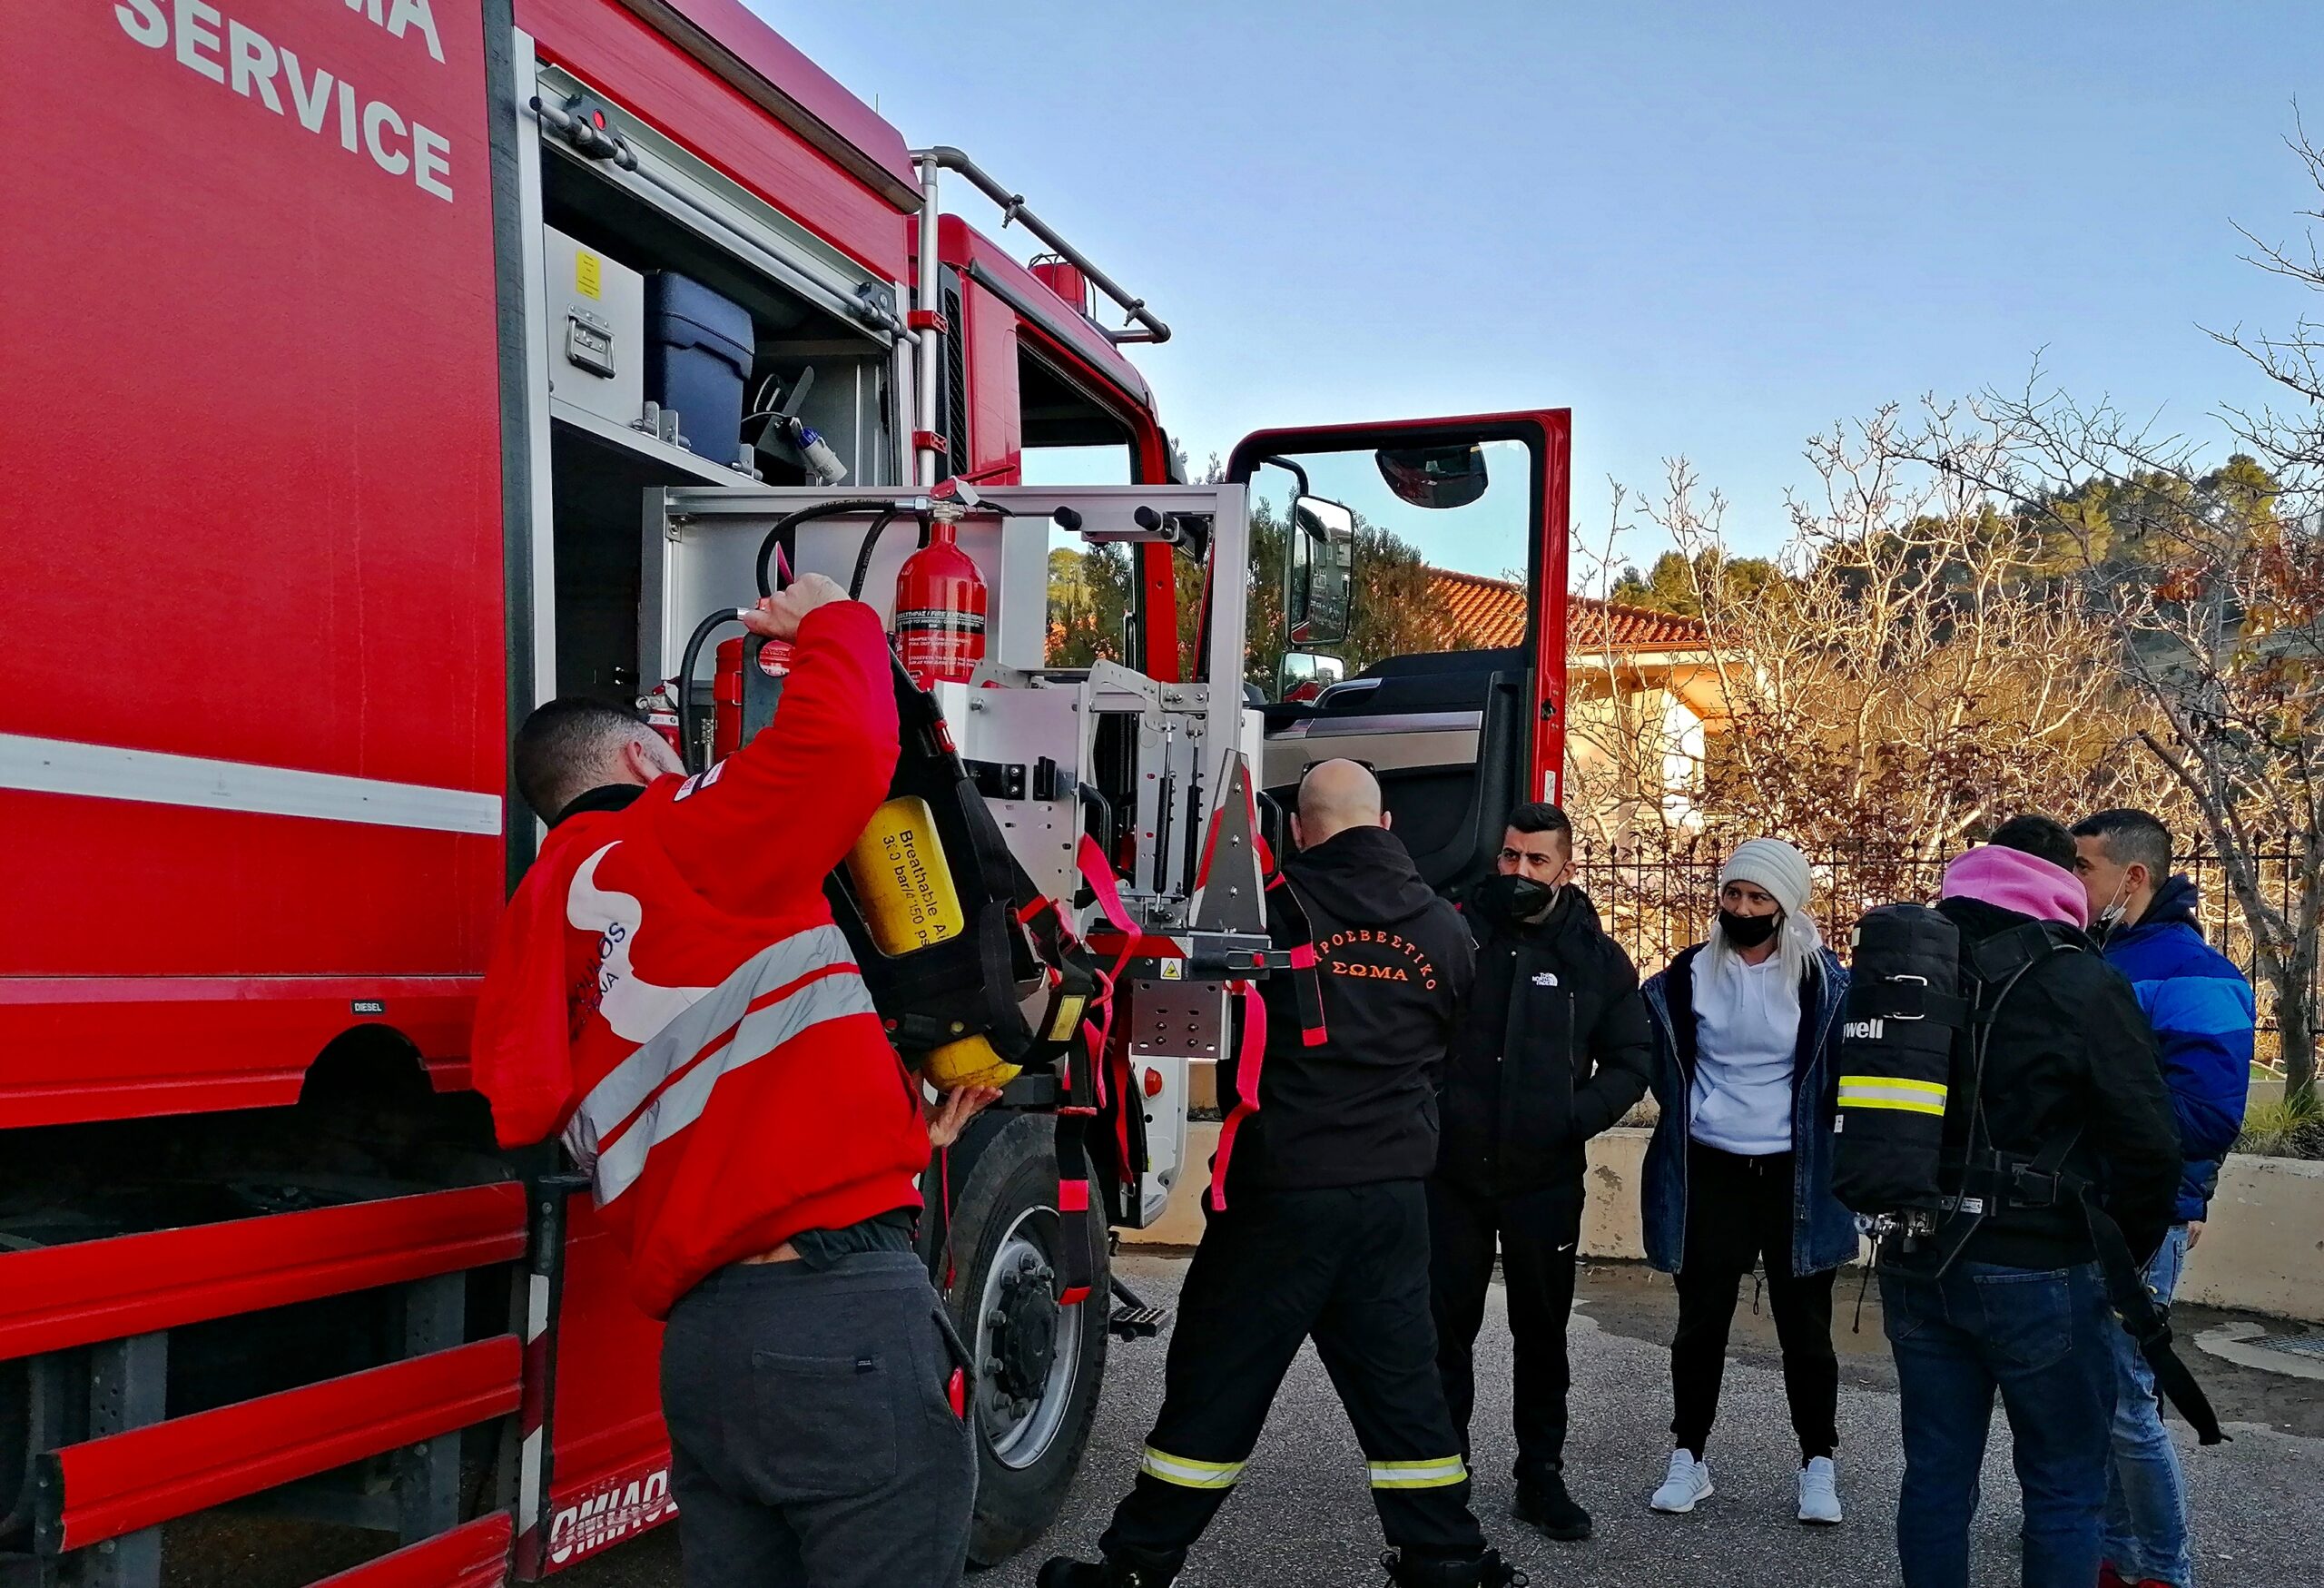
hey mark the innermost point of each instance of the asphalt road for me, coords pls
(1301, 1517)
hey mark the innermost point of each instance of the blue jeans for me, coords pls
(2146, 1502)
(2041, 1338)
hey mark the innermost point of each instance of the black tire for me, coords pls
(1025, 1460)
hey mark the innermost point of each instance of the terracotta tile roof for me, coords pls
(1492, 612)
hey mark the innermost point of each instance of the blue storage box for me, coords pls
(698, 351)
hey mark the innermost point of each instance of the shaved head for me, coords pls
(1334, 796)
(574, 743)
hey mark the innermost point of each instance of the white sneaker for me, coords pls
(1688, 1482)
(1819, 1493)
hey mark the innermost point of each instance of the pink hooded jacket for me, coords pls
(2014, 880)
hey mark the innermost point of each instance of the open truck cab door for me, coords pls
(1402, 636)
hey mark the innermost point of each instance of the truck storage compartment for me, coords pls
(726, 346)
(720, 351)
(699, 349)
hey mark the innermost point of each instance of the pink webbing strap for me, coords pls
(1099, 872)
(1097, 1029)
(1073, 1210)
(1249, 1055)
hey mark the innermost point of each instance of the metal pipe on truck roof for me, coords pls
(927, 290)
(1012, 208)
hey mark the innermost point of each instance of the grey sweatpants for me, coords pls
(812, 1439)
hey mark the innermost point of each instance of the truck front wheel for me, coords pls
(1039, 1364)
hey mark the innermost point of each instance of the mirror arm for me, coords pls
(1296, 472)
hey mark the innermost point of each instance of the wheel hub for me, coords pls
(1024, 1331)
(1027, 1347)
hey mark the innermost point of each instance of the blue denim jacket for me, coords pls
(1824, 1233)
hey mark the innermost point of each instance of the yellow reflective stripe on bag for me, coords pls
(1892, 1092)
(1188, 1473)
(1441, 1473)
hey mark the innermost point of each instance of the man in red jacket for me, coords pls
(670, 995)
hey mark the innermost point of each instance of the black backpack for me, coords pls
(1913, 1057)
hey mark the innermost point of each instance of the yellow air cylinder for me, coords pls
(905, 888)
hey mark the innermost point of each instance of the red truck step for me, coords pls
(67, 1296)
(474, 1556)
(107, 1487)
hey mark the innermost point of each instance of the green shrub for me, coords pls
(2285, 1128)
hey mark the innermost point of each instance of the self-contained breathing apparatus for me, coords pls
(1913, 1156)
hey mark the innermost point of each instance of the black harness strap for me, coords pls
(1307, 981)
(1077, 1265)
(2144, 1313)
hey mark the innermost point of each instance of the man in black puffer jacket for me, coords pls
(1555, 1049)
(1318, 1218)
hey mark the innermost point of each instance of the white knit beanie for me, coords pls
(1775, 865)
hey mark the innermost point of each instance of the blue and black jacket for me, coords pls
(2200, 1008)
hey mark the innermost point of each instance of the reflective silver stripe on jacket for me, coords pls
(613, 1146)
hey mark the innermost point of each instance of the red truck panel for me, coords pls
(961, 245)
(123, 1047)
(257, 527)
(610, 1476)
(259, 515)
(817, 95)
(129, 888)
(996, 437)
(600, 42)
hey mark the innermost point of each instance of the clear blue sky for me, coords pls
(1709, 230)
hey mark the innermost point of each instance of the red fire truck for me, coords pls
(382, 368)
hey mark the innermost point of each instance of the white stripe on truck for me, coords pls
(106, 771)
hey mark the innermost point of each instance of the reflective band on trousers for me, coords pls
(1440, 1473)
(1189, 1474)
(657, 1091)
(1891, 1091)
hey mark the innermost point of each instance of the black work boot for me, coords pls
(1131, 1569)
(1542, 1502)
(1485, 1571)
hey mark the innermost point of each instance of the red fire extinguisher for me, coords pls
(940, 610)
(727, 687)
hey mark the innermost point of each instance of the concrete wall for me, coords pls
(2262, 1250)
(1609, 1227)
(1609, 1216)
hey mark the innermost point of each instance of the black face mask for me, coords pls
(1510, 899)
(1748, 931)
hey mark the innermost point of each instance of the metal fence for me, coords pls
(1656, 904)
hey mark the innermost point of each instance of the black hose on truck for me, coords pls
(687, 739)
(790, 521)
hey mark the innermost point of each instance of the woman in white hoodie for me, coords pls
(1739, 1172)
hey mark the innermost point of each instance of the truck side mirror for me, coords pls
(1320, 568)
(1301, 675)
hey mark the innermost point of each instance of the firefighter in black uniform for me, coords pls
(1318, 1215)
